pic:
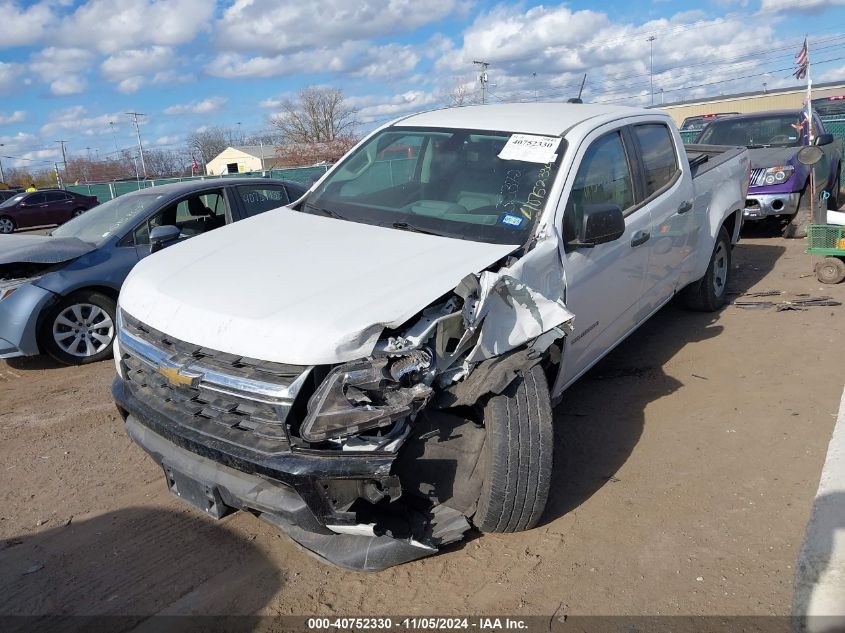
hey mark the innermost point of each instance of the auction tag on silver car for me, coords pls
(530, 148)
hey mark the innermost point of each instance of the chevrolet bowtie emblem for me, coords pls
(178, 377)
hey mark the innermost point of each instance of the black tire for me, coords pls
(830, 270)
(796, 226)
(835, 199)
(708, 294)
(516, 456)
(77, 212)
(52, 327)
(7, 224)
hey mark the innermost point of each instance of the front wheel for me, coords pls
(710, 293)
(516, 458)
(79, 329)
(796, 226)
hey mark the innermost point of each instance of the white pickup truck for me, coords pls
(373, 368)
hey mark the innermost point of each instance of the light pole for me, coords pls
(2, 177)
(764, 87)
(661, 96)
(135, 116)
(650, 41)
(114, 138)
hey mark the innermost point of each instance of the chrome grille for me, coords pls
(238, 400)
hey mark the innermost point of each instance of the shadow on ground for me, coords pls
(599, 422)
(116, 570)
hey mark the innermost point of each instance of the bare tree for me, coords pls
(461, 93)
(318, 115)
(163, 163)
(211, 141)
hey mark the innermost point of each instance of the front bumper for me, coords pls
(19, 314)
(292, 490)
(760, 206)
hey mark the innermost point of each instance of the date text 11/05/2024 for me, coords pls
(418, 623)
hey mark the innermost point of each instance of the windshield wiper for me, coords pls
(328, 212)
(404, 226)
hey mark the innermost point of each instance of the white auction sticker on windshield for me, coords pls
(530, 148)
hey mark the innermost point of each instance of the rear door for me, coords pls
(57, 207)
(603, 284)
(667, 192)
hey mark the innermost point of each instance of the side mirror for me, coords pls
(161, 236)
(602, 223)
(824, 139)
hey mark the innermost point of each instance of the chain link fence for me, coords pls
(108, 190)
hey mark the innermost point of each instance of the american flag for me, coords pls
(802, 62)
(194, 165)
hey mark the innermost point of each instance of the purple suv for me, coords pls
(38, 208)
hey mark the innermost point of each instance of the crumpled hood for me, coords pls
(297, 288)
(772, 156)
(41, 249)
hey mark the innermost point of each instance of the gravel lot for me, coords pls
(686, 467)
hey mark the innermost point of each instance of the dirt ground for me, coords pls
(686, 466)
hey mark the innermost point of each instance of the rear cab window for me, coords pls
(659, 157)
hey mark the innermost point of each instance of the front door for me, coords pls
(603, 284)
(32, 211)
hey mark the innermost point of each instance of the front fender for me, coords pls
(19, 314)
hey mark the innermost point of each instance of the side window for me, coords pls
(260, 198)
(604, 176)
(142, 233)
(660, 163)
(55, 196)
(35, 198)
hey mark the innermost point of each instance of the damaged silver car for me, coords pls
(373, 369)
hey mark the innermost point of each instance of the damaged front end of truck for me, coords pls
(368, 463)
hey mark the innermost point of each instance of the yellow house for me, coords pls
(242, 158)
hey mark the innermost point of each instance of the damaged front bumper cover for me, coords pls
(290, 491)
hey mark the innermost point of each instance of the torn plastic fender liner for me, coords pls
(41, 249)
(516, 304)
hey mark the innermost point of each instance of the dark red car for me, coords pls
(38, 208)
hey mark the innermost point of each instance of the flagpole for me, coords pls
(810, 138)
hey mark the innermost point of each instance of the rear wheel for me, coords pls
(710, 293)
(7, 224)
(77, 212)
(80, 328)
(830, 270)
(517, 456)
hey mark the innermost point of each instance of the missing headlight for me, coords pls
(364, 395)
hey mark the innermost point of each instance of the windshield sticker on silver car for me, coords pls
(530, 148)
(511, 220)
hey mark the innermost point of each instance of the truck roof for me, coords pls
(527, 118)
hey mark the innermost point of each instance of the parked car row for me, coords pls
(58, 292)
(42, 208)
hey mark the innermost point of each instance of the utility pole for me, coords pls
(240, 134)
(114, 138)
(764, 87)
(59, 182)
(64, 155)
(650, 41)
(89, 153)
(534, 77)
(2, 177)
(482, 77)
(135, 116)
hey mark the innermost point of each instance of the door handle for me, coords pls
(686, 205)
(640, 237)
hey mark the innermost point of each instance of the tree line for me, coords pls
(315, 126)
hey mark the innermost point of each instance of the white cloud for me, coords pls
(77, 120)
(173, 139)
(15, 117)
(270, 26)
(389, 61)
(206, 106)
(69, 85)
(24, 26)
(804, 6)
(9, 77)
(130, 84)
(372, 109)
(115, 25)
(62, 68)
(137, 61)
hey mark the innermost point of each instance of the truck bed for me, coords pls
(703, 158)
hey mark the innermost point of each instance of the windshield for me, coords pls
(98, 224)
(783, 130)
(444, 181)
(12, 201)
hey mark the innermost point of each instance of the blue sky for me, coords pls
(69, 67)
